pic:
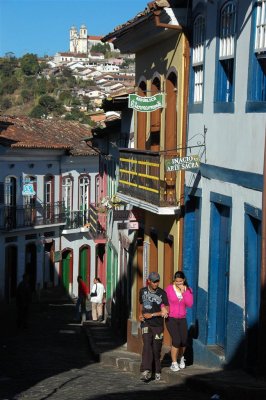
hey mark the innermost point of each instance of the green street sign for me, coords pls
(182, 163)
(146, 104)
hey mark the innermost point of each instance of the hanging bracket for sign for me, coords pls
(145, 103)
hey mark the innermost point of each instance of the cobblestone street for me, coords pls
(51, 359)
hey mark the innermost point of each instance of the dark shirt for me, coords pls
(23, 294)
(151, 303)
(83, 290)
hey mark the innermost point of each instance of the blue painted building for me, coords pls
(223, 207)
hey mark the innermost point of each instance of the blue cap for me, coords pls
(154, 276)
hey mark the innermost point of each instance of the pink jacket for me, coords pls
(178, 307)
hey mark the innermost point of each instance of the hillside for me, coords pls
(28, 88)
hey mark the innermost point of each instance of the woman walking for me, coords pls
(180, 297)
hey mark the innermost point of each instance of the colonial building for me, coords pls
(49, 224)
(157, 38)
(223, 213)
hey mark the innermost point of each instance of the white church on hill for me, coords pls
(81, 42)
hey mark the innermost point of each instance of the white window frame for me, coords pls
(260, 37)
(84, 192)
(198, 57)
(67, 185)
(227, 31)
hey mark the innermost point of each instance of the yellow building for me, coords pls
(157, 37)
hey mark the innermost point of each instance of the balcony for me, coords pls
(144, 183)
(98, 218)
(76, 221)
(29, 216)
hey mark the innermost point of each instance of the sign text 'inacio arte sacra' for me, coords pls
(182, 163)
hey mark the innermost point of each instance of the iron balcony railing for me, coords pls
(98, 218)
(76, 219)
(142, 176)
(19, 217)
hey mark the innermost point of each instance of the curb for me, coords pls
(228, 385)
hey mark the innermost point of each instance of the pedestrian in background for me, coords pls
(97, 297)
(180, 297)
(81, 301)
(153, 308)
(23, 300)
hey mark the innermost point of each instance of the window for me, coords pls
(225, 70)
(10, 191)
(257, 72)
(67, 192)
(84, 193)
(198, 58)
(260, 38)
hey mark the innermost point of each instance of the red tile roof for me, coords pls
(95, 37)
(32, 133)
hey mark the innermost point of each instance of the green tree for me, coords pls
(41, 86)
(101, 48)
(29, 64)
(7, 67)
(5, 103)
(8, 85)
(26, 95)
(48, 103)
(38, 112)
(65, 97)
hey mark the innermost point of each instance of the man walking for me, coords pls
(153, 308)
(97, 297)
(81, 301)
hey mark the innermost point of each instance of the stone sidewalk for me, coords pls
(225, 384)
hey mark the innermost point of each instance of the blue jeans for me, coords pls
(81, 308)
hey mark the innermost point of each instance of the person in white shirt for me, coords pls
(97, 296)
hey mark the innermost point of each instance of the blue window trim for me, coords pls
(253, 211)
(248, 180)
(221, 199)
(192, 192)
(223, 107)
(196, 107)
(215, 199)
(218, 105)
(252, 104)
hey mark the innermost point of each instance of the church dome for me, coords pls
(83, 26)
(73, 28)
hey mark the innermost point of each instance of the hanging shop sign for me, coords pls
(146, 104)
(133, 225)
(182, 163)
(28, 190)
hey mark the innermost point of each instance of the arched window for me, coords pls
(141, 120)
(198, 58)
(155, 121)
(257, 72)
(225, 72)
(171, 112)
(84, 193)
(67, 187)
(10, 191)
(48, 198)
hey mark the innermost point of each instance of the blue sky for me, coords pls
(42, 26)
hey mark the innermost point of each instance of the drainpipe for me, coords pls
(186, 56)
(157, 12)
(262, 316)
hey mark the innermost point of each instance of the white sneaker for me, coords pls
(157, 376)
(145, 376)
(174, 367)
(182, 364)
